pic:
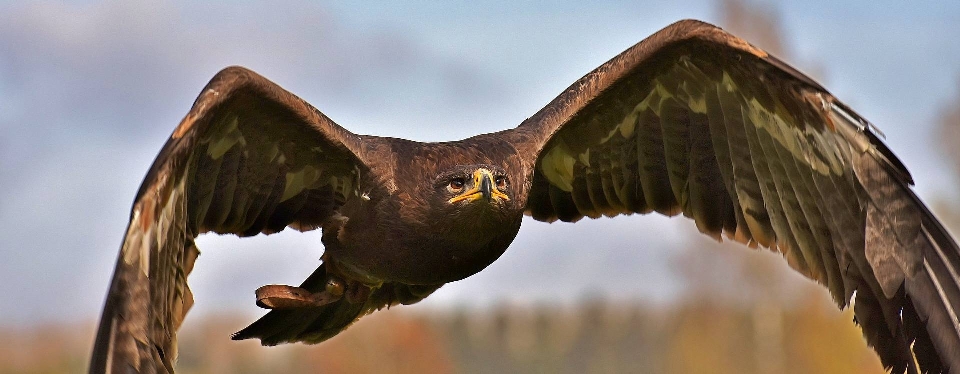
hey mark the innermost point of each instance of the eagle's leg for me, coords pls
(276, 296)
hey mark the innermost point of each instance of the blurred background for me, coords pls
(90, 90)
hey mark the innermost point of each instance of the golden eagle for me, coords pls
(691, 121)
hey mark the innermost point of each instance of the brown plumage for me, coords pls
(690, 121)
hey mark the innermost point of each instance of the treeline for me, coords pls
(594, 336)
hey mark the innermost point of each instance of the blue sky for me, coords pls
(89, 91)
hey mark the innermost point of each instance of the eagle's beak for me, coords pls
(486, 187)
(483, 187)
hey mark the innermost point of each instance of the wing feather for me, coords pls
(652, 170)
(676, 148)
(706, 184)
(245, 146)
(731, 163)
(634, 200)
(748, 185)
(565, 204)
(695, 120)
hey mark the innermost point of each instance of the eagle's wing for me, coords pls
(248, 158)
(696, 121)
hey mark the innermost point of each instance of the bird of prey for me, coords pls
(691, 120)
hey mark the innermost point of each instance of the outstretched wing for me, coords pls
(696, 121)
(248, 158)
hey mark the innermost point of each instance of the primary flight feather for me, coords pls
(691, 121)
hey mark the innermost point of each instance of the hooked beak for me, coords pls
(486, 187)
(483, 187)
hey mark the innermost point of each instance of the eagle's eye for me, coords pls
(456, 185)
(501, 182)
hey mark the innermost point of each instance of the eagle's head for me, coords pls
(475, 204)
(470, 217)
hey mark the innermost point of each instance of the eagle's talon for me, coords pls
(334, 287)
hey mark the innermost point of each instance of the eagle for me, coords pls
(691, 121)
